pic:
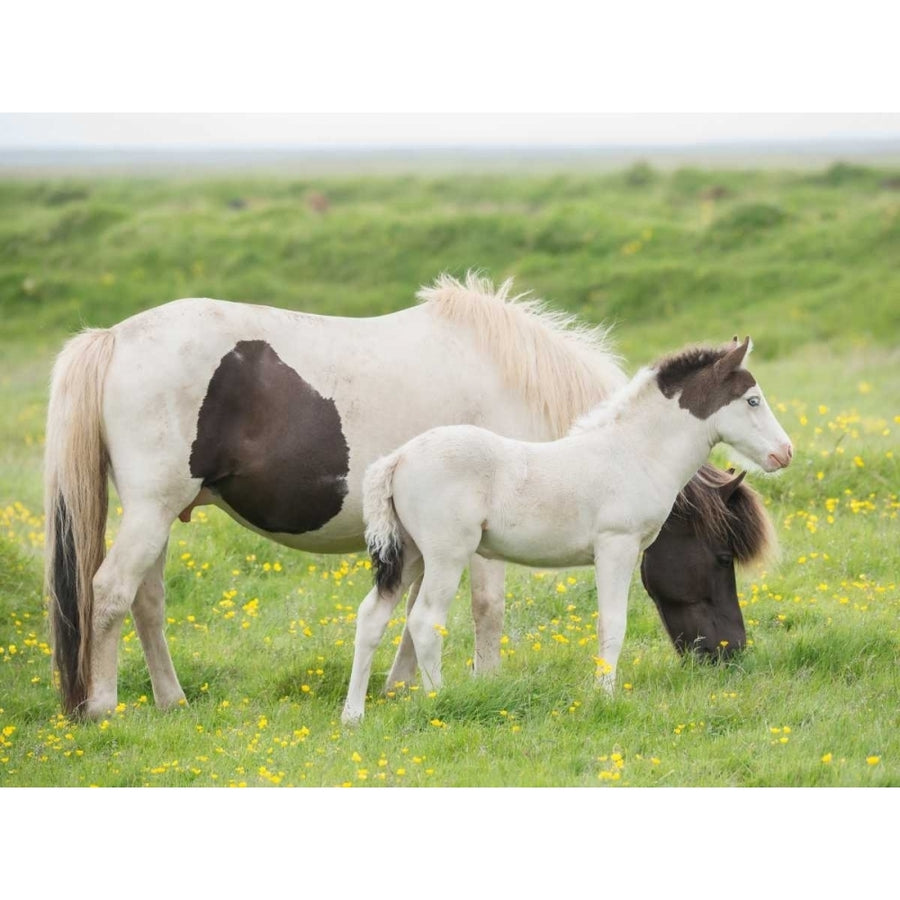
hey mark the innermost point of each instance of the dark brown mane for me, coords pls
(742, 523)
(671, 371)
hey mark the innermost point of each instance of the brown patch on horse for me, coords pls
(269, 444)
(705, 379)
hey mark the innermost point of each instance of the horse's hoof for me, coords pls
(96, 710)
(173, 703)
(393, 687)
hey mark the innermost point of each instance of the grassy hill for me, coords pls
(688, 255)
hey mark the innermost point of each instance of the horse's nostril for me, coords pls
(783, 457)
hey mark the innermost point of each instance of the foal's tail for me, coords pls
(384, 534)
(75, 503)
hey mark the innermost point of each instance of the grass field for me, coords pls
(806, 262)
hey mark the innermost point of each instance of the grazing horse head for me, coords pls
(688, 571)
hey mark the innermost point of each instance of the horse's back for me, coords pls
(454, 471)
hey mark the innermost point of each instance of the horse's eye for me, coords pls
(724, 559)
(753, 401)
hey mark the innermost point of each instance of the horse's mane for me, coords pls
(742, 522)
(562, 366)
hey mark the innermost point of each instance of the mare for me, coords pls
(273, 415)
(599, 496)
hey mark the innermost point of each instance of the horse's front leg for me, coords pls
(615, 556)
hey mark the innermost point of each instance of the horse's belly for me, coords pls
(536, 549)
(342, 534)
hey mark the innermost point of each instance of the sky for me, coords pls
(103, 74)
(384, 130)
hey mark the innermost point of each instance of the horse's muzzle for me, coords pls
(782, 458)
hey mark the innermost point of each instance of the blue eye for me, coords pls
(753, 401)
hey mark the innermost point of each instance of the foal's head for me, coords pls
(717, 521)
(713, 384)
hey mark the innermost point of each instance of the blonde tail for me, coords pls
(76, 497)
(384, 534)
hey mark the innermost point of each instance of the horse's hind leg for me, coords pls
(403, 669)
(141, 540)
(488, 578)
(149, 615)
(371, 620)
(488, 581)
(429, 616)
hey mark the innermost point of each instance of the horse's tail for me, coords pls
(384, 534)
(76, 498)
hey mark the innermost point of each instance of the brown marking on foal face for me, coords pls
(269, 444)
(704, 390)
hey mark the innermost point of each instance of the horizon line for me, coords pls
(467, 145)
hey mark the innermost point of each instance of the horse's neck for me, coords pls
(666, 441)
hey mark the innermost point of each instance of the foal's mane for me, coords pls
(562, 366)
(608, 409)
(742, 522)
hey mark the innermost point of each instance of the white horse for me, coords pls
(597, 496)
(273, 416)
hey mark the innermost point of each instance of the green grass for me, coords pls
(805, 262)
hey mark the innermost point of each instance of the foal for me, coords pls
(597, 496)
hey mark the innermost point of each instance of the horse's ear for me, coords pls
(733, 358)
(726, 491)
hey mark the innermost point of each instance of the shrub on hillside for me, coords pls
(745, 221)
